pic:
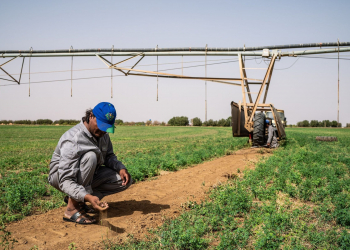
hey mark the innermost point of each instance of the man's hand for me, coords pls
(268, 144)
(125, 176)
(95, 202)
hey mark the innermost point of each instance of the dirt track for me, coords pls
(141, 207)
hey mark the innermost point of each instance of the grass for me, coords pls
(25, 154)
(299, 198)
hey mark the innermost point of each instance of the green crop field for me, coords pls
(25, 154)
(299, 198)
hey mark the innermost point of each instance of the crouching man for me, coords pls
(84, 167)
(271, 136)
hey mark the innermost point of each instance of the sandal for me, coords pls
(87, 216)
(76, 216)
(86, 208)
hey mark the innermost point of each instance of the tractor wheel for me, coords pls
(259, 129)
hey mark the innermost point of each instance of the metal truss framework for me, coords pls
(249, 108)
(13, 79)
(243, 82)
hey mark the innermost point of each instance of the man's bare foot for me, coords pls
(83, 205)
(72, 208)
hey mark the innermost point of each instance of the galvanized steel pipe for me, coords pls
(193, 53)
(181, 49)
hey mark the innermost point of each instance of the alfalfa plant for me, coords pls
(72, 246)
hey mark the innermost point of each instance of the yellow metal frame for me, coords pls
(249, 108)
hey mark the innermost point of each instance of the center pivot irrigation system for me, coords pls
(243, 113)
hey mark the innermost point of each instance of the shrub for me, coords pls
(44, 122)
(139, 124)
(178, 121)
(326, 123)
(148, 122)
(210, 122)
(197, 121)
(3, 122)
(67, 122)
(334, 124)
(24, 122)
(306, 123)
(228, 122)
(222, 122)
(314, 123)
(156, 123)
(119, 122)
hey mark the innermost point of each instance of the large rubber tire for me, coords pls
(259, 129)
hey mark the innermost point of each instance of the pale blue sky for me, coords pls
(307, 90)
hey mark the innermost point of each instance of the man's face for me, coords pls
(93, 128)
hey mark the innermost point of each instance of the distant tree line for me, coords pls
(179, 121)
(74, 122)
(175, 121)
(315, 123)
(219, 123)
(40, 122)
(119, 122)
(67, 122)
(183, 121)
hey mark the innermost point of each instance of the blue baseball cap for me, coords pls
(105, 116)
(267, 121)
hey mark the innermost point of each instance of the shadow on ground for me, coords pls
(125, 208)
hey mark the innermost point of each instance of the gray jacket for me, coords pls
(66, 158)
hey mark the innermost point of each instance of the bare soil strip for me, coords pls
(143, 206)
